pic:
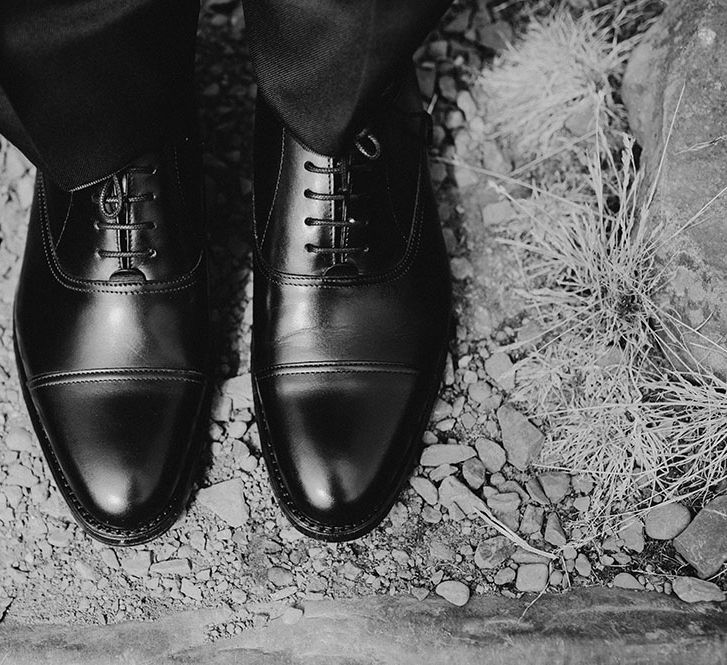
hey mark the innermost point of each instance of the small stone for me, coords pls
(279, 576)
(239, 390)
(190, 589)
(454, 592)
(466, 104)
(504, 502)
(554, 533)
(555, 484)
(110, 559)
(555, 579)
(520, 438)
(137, 564)
(504, 576)
(60, 537)
(532, 521)
(582, 483)
(627, 581)
(569, 552)
(21, 476)
(693, 590)
(532, 577)
(497, 36)
(221, 408)
(429, 438)
(448, 88)
(84, 570)
(493, 552)
(446, 425)
(438, 551)
(291, 616)
(473, 472)
(499, 367)
(521, 555)
(461, 268)
(350, 571)
(19, 439)
(479, 392)
(498, 213)
(667, 520)
(171, 567)
(441, 472)
(704, 542)
(226, 500)
(582, 503)
(535, 492)
(632, 535)
(431, 515)
(425, 488)
(583, 565)
(453, 493)
(441, 453)
(420, 593)
(492, 454)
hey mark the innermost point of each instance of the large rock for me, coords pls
(686, 52)
(704, 542)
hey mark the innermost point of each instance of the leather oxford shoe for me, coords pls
(111, 341)
(351, 315)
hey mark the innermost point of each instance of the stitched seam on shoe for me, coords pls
(361, 370)
(42, 381)
(187, 280)
(334, 363)
(275, 191)
(65, 223)
(387, 277)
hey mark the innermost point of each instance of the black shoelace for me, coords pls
(368, 145)
(111, 203)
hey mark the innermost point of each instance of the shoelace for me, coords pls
(111, 202)
(368, 145)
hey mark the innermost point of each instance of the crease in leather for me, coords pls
(185, 281)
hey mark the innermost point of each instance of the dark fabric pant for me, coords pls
(87, 85)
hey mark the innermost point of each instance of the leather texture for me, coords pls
(111, 332)
(351, 317)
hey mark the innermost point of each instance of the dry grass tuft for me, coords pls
(544, 89)
(616, 406)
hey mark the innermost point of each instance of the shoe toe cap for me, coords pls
(121, 445)
(339, 443)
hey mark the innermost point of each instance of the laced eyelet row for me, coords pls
(110, 202)
(370, 147)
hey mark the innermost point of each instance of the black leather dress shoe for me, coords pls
(351, 316)
(111, 341)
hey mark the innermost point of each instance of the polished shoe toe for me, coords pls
(120, 444)
(338, 439)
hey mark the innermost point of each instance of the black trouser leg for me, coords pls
(87, 85)
(321, 63)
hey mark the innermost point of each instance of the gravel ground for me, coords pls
(233, 546)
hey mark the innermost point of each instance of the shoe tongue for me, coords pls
(128, 276)
(341, 270)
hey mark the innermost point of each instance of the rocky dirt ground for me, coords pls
(233, 547)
